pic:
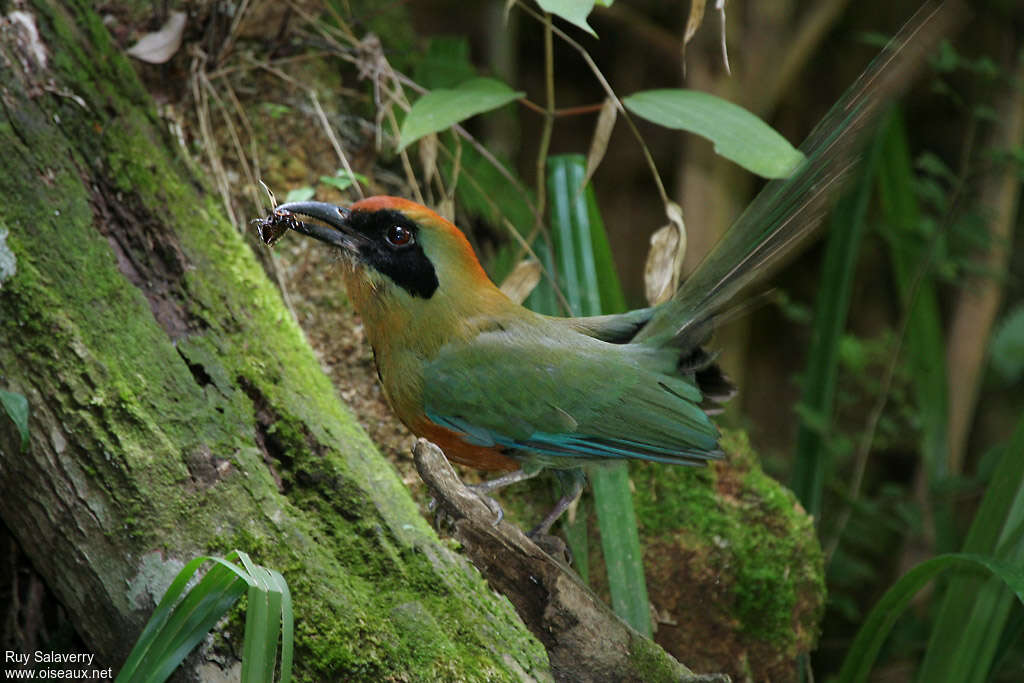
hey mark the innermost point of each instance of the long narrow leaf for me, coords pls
(177, 626)
(257, 623)
(925, 345)
(587, 275)
(16, 407)
(287, 625)
(159, 617)
(620, 543)
(171, 624)
(872, 634)
(204, 604)
(831, 307)
(973, 614)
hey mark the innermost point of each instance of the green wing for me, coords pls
(569, 397)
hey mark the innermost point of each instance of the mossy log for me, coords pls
(176, 408)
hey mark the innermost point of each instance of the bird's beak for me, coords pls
(336, 232)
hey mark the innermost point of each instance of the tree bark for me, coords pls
(176, 408)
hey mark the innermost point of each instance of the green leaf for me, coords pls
(1008, 346)
(172, 632)
(620, 545)
(443, 108)
(16, 407)
(583, 258)
(909, 249)
(341, 180)
(300, 194)
(573, 11)
(872, 634)
(446, 63)
(586, 273)
(175, 628)
(737, 134)
(812, 456)
(965, 639)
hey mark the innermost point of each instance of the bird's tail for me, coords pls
(787, 211)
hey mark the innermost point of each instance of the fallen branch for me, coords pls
(583, 637)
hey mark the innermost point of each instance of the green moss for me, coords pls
(151, 419)
(748, 526)
(649, 662)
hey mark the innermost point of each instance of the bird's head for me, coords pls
(402, 256)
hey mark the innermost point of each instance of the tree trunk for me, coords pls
(176, 408)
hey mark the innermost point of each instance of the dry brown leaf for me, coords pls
(446, 208)
(665, 258)
(720, 6)
(428, 157)
(602, 133)
(693, 22)
(521, 281)
(160, 46)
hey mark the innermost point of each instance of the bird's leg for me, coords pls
(485, 488)
(576, 481)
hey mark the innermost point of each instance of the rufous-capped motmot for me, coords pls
(499, 387)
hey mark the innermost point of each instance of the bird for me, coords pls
(501, 388)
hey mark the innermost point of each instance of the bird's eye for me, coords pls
(398, 236)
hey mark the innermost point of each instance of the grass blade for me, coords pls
(159, 617)
(193, 618)
(16, 407)
(255, 659)
(586, 272)
(620, 543)
(287, 625)
(175, 628)
(925, 344)
(811, 460)
(973, 614)
(879, 623)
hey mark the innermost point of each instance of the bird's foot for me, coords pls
(563, 504)
(485, 488)
(442, 520)
(492, 485)
(482, 490)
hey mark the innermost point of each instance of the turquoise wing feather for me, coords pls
(563, 397)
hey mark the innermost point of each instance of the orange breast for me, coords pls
(457, 450)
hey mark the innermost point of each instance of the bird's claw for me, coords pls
(442, 519)
(481, 490)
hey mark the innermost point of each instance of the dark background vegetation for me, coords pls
(952, 116)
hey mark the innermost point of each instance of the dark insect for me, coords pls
(271, 228)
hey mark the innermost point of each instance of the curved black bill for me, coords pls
(336, 217)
